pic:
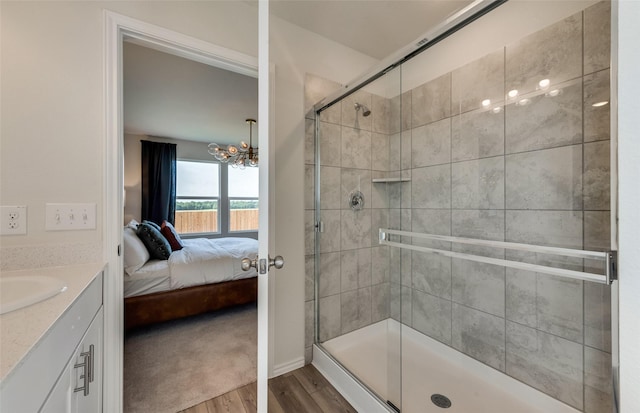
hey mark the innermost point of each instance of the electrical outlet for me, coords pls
(70, 217)
(13, 220)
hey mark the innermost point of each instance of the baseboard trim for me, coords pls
(283, 368)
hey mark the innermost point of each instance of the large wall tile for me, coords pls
(330, 144)
(329, 277)
(330, 238)
(400, 151)
(545, 122)
(355, 309)
(477, 134)
(309, 279)
(379, 152)
(355, 229)
(355, 180)
(431, 101)
(597, 37)
(554, 53)
(309, 233)
(480, 286)
(597, 121)
(597, 381)
(551, 228)
(332, 114)
(547, 179)
(309, 186)
(380, 114)
(521, 300)
(380, 294)
(560, 307)
(480, 335)
(476, 81)
(431, 144)
(597, 316)
(432, 274)
(478, 224)
(309, 309)
(431, 187)
(355, 119)
(330, 187)
(348, 270)
(309, 141)
(356, 148)
(400, 304)
(364, 267)
(597, 230)
(432, 316)
(546, 362)
(329, 317)
(597, 176)
(431, 221)
(380, 265)
(400, 116)
(478, 184)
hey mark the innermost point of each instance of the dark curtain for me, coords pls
(158, 181)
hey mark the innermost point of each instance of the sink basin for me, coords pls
(23, 291)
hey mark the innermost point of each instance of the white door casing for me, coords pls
(117, 29)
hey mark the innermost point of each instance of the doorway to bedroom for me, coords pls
(190, 310)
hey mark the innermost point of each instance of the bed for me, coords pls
(205, 275)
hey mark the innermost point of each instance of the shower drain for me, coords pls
(441, 401)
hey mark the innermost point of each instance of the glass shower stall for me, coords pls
(459, 236)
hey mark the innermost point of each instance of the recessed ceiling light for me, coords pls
(544, 83)
(513, 93)
(486, 102)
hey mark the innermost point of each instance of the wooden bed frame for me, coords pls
(170, 305)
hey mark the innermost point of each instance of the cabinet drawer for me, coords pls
(27, 389)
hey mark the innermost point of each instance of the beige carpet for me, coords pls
(178, 364)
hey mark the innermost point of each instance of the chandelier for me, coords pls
(238, 156)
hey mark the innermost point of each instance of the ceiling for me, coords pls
(169, 96)
(376, 28)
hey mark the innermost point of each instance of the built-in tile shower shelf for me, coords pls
(379, 180)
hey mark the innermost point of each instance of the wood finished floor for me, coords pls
(304, 390)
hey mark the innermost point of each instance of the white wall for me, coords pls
(628, 201)
(296, 52)
(51, 132)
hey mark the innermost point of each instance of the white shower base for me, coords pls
(428, 367)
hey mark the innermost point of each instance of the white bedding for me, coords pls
(201, 261)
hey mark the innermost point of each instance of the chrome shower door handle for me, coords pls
(248, 263)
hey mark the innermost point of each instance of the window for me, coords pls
(243, 199)
(197, 197)
(215, 198)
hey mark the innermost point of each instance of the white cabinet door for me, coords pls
(79, 387)
(59, 400)
(86, 375)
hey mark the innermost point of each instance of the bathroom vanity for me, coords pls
(51, 351)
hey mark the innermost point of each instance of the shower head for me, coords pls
(365, 110)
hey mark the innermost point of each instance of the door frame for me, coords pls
(118, 28)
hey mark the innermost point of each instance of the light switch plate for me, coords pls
(70, 217)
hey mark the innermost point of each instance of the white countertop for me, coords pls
(21, 329)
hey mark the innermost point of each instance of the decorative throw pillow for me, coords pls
(153, 224)
(135, 253)
(155, 242)
(171, 235)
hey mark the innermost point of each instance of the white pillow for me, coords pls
(135, 253)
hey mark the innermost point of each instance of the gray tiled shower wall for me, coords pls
(534, 171)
